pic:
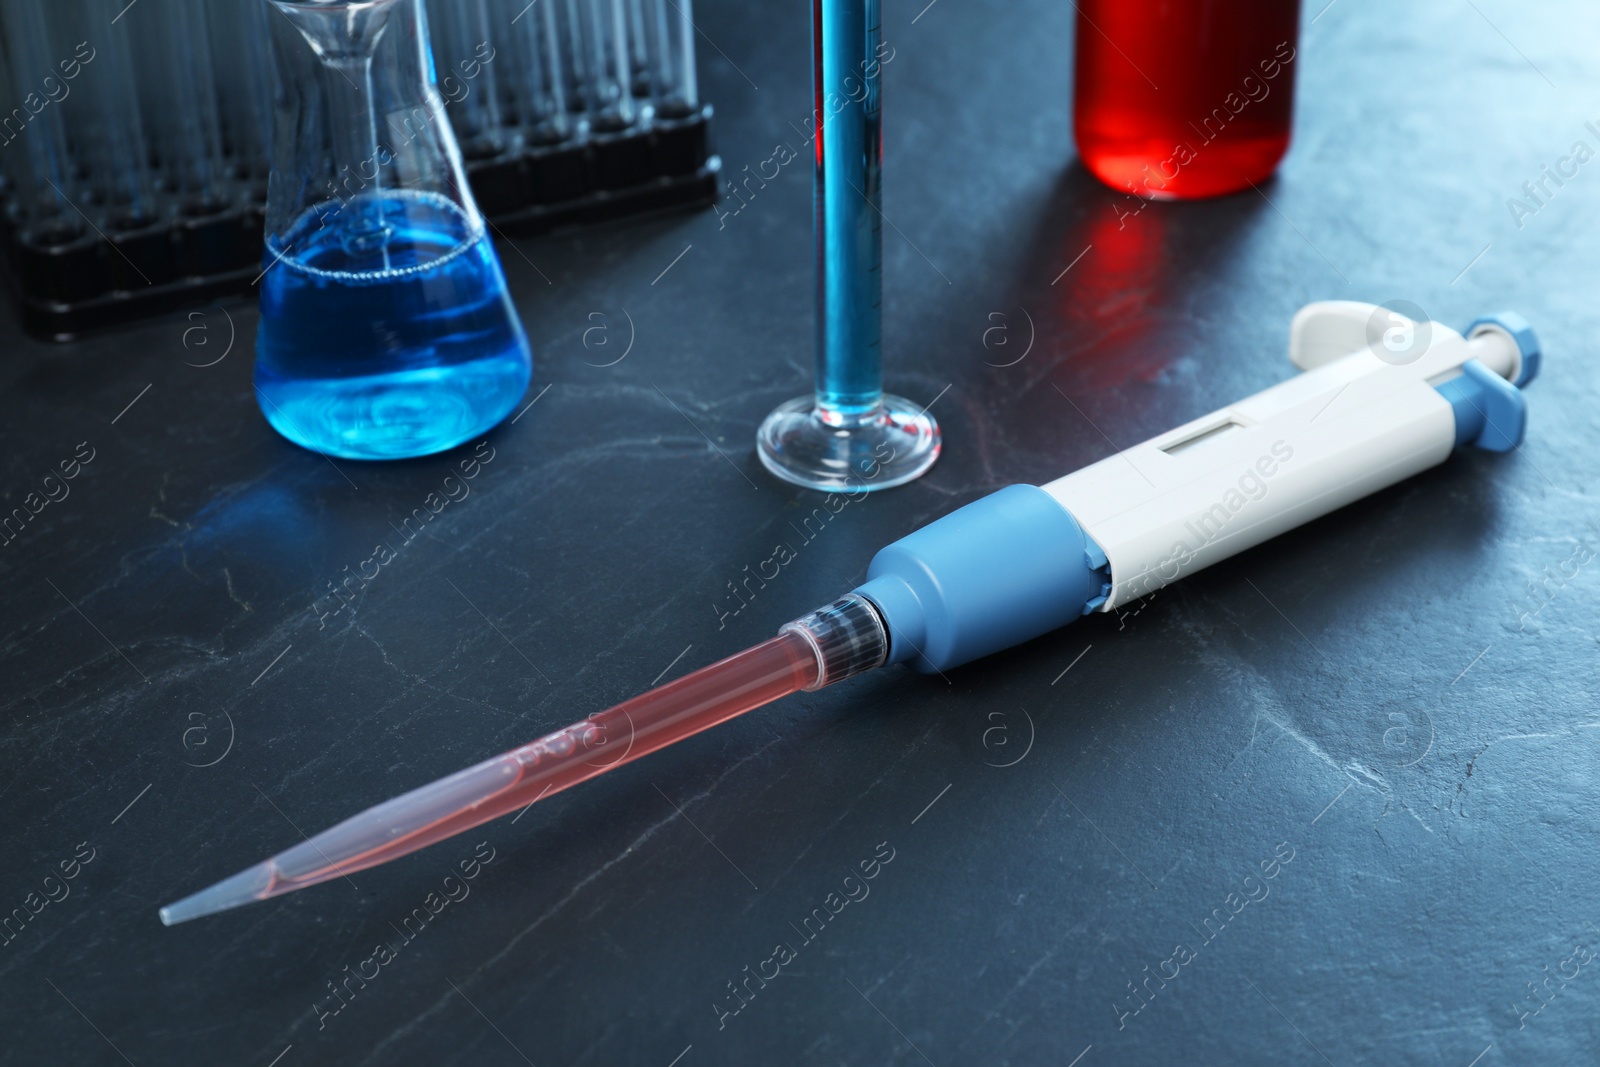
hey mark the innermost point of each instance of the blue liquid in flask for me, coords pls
(386, 329)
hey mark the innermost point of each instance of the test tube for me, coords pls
(239, 30)
(44, 174)
(8, 160)
(644, 37)
(678, 94)
(117, 156)
(467, 78)
(193, 145)
(608, 82)
(574, 58)
(661, 36)
(850, 435)
(540, 90)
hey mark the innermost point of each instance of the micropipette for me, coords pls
(1366, 412)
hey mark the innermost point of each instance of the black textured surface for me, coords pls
(1401, 696)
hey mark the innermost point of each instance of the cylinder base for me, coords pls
(803, 443)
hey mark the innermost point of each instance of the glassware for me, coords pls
(118, 154)
(386, 329)
(661, 38)
(192, 139)
(602, 32)
(540, 90)
(44, 175)
(1175, 100)
(462, 46)
(850, 435)
(678, 94)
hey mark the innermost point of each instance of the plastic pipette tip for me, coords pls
(243, 888)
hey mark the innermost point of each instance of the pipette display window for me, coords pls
(1203, 436)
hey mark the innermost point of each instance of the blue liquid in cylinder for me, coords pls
(386, 330)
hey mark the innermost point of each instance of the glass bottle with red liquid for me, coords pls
(1177, 99)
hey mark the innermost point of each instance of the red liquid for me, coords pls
(1176, 99)
(621, 734)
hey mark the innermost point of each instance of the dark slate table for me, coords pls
(1343, 787)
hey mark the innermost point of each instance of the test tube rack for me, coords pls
(135, 150)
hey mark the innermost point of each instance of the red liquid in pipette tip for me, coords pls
(516, 779)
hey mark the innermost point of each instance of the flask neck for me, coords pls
(339, 32)
(355, 130)
(359, 124)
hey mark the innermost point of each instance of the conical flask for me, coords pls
(386, 329)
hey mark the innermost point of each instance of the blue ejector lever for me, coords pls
(1490, 411)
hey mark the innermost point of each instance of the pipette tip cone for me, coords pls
(243, 888)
